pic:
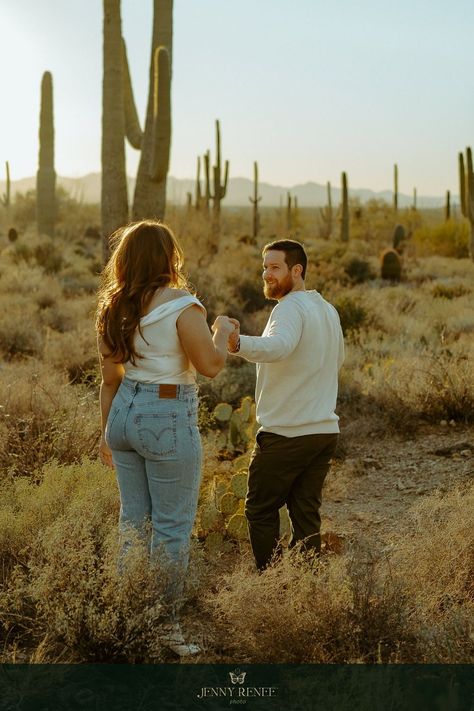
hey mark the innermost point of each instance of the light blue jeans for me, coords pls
(156, 449)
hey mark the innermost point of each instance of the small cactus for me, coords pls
(229, 503)
(285, 524)
(211, 518)
(237, 527)
(215, 542)
(238, 484)
(398, 238)
(391, 265)
(222, 412)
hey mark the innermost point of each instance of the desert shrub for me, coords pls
(358, 270)
(434, 563)
(19, 335)
(42, 418)
(342, 610)
(449, 239)
(351, 313)
(250, 294)
(68, 595)
(449, 290)
(232, 384)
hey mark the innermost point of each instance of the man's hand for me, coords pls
(223, 324)
(105, 454)
(234, 337)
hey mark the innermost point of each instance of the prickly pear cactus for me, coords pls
(214, 542)
(237, 527)
(211, 518)
(238, 484)
(285, 525)
(222, 412)
(229, 503)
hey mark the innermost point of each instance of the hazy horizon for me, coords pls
(308, 90)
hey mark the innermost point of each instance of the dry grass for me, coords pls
(409, 349)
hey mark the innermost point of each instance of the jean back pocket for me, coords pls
(157, 434)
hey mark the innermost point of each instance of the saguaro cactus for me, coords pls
(255, 200)
(220, 188)
(344, 209)
(154, 141)
(469, 193)
(198, 193)
(46, 176)
(5, 199)
(327, 213)
(289, 213)
(395, 187)
(462, 184)
(447, 208)
(414, 199)
(114, 203)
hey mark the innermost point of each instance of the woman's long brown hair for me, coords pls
(146, 256)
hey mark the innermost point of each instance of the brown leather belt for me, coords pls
(169, 392)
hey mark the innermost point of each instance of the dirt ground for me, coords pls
(368, 492)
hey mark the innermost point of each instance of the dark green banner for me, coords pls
(96, 687)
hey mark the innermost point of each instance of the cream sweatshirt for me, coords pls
(298, 357)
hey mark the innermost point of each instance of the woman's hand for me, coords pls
(105, 454)
(224, 325)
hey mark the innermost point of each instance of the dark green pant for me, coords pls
(291, 471)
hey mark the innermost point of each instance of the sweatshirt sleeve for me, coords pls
(280, 337)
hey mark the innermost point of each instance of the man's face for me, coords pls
(277, 279)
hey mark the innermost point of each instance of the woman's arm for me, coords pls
(207, 354)
(112, 375)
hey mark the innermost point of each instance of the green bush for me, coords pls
(450, 239)
(351, 313)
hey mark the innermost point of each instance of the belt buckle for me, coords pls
(169, 392)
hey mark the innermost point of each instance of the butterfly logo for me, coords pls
(237, 678)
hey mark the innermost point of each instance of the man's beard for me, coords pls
(278, 290)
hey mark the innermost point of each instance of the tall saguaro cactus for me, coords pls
(5, 199)
(469, 193)
(462, 184)
(114, 204)
(155, 140)
(447, 207)
(395, 187)
(46, 176)
(220, 184)
(344, 209)
(255, 200)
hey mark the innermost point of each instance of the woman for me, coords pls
(152, 338)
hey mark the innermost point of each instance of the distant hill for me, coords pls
(87, 189)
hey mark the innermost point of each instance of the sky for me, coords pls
(308, 88)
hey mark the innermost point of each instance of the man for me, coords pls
(298, 357)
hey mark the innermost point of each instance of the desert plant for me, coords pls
(390, 265)
(5, 199)
(255, 200)
(120, 119)
(344, 209)
(326, 214)
(46, 175)
(395, 187)
(398, 238)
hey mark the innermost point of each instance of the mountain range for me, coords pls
(87, 189)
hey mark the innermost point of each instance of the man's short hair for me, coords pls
(293, 250)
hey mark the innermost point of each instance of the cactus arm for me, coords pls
(161, 116)
(5, 200)
(395, 187)
(133, 129)
(462, 184)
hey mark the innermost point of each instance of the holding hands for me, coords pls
(231, 328)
